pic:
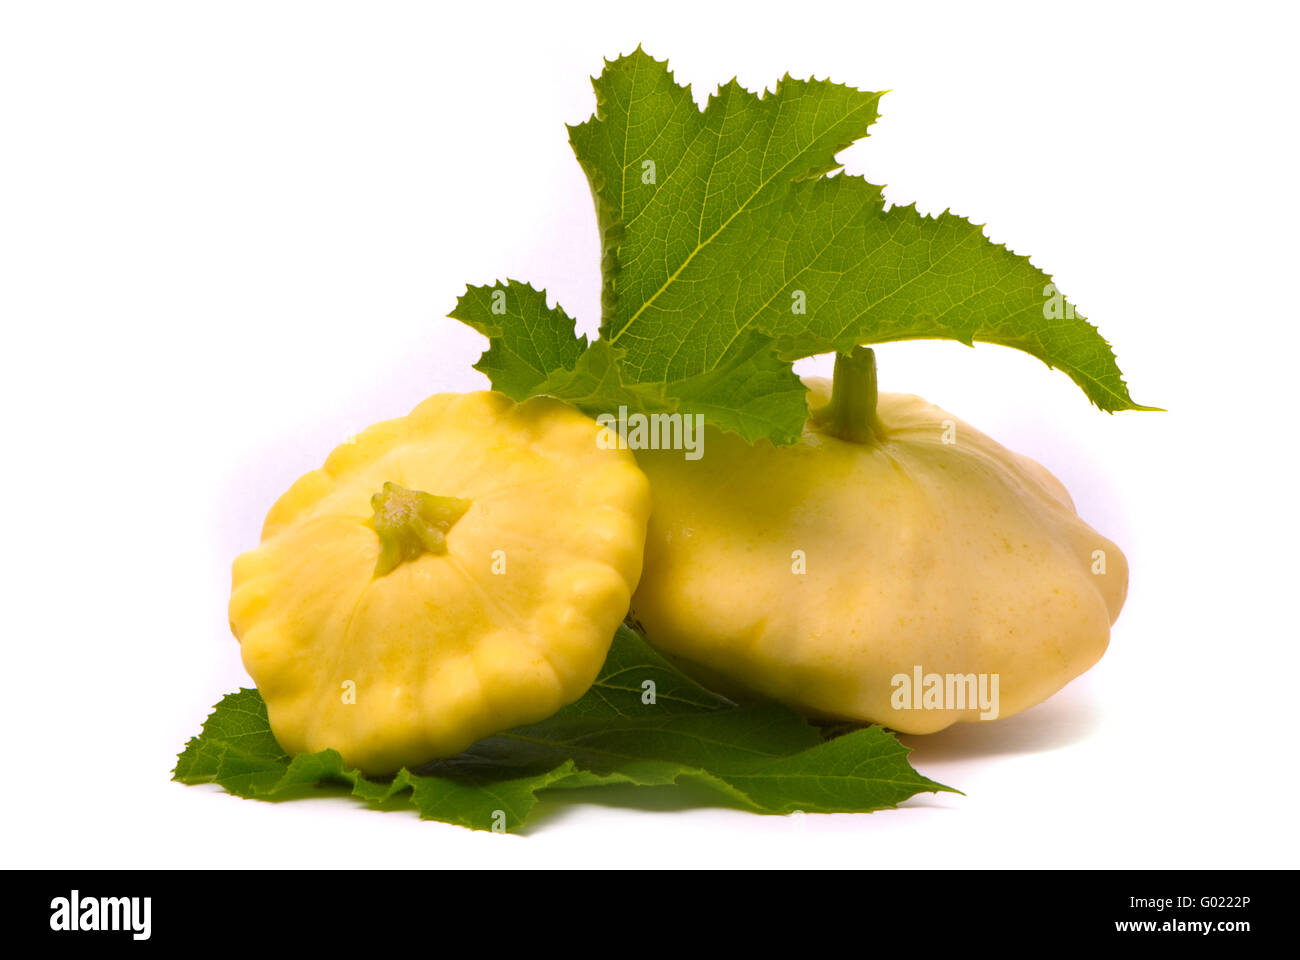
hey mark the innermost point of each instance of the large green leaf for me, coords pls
(643, 722)
(731, 246)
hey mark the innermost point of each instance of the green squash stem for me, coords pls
(851, 414)
(411, 523)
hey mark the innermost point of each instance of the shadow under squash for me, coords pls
(1064, 719)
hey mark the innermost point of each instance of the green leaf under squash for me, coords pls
(762, 758)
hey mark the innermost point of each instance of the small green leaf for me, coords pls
(595, 384)
(529, 341)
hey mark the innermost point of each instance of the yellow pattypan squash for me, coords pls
(446, 575)
(892, 545)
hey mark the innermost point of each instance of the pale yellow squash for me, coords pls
(446, 575)
(820, 573)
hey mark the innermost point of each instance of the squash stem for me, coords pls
(411, 523)
(851, 414)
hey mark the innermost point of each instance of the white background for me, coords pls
(229, 234)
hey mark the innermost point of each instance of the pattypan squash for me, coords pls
(892, 544)
(445, 576)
